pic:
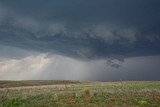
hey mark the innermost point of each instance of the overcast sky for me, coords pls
(101, 40)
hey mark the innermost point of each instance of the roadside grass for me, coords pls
(90, 94)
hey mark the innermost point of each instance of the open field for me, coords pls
(79, 94)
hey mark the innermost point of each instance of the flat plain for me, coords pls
(51, 93)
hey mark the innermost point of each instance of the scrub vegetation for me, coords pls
(79, 94)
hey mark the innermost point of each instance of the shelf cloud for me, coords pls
(85, 30)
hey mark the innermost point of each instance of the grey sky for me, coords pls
(83, 30)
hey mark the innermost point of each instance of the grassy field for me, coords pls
(79, 94)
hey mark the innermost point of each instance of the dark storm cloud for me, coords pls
(82, 29)
(128, 11)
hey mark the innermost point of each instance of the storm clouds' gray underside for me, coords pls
(80, 29)
(88, 29)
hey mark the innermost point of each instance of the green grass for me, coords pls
(7, 84)
(79, 94)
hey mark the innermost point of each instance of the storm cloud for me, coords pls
(83, 31)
